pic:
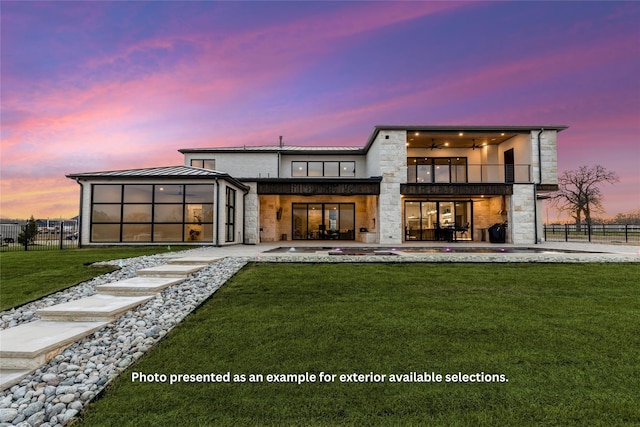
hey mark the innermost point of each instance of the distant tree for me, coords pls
(579, 194)
(631, 217)
(28, 234)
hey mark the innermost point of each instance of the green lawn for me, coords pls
(27, 276)
(564, 335)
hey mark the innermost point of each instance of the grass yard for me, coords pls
(564, 335)
(27, 276)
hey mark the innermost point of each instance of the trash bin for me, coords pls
(497, 233)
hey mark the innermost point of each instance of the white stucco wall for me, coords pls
(241, 164)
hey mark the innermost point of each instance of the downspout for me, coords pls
(535, 189)
(279, 156)
(535, 214)
(540, 157)
(217, 213)
(80, 213)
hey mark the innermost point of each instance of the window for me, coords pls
(436, 169)
(438, 220)
(231, 214)
(204, 163)
(317, 169)
(331, 169)
(152, 213)
(347, 168)
(323, 221)
(298, 168)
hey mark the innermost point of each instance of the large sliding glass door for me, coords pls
(432, 221)
(323, 221)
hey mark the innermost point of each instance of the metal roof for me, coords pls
(166, 172)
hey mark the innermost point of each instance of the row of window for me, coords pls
(157, 213)
(204, 163)
(345, 169)
(420, 169)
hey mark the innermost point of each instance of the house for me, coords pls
(405, 184)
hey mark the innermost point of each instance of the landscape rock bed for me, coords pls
(57, 392)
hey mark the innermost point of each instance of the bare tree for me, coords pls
(579, 193)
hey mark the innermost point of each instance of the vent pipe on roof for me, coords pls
(280, 141)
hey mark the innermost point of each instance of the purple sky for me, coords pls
(89, 86)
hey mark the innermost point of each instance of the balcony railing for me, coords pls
(469, 173)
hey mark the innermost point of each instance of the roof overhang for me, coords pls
(486, 130)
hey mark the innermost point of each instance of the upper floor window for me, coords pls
(327, 169)
(204, 163)
(429, 170)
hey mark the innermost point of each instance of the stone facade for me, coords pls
(522, 215)
(392, 161)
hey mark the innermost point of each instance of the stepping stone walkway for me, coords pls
(26, 347)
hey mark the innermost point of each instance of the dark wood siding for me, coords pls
(317, 187)
(456, 189)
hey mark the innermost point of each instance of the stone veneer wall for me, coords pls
(252, 213)
(391, 156)
(486, 212)
(549, 156)
(521, 214)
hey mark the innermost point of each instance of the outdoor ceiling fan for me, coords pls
(434, 145)
(474, 145)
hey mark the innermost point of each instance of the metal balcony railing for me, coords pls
(469, 173)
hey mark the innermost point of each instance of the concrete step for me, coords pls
(96, 308)
(138, 286)
(11, 377)
(190, 260)
(170, 270)
(31, 345)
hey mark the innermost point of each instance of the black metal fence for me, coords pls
(12, 237)
(596, 233)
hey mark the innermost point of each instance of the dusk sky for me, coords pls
(91, 86)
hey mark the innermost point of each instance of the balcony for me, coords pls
(464, 179)
(452, 173)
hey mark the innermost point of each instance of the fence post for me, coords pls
(545, 232)
(26, 238)
(589, 231)
(61, 233)
(626, 233)
(566, 232)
